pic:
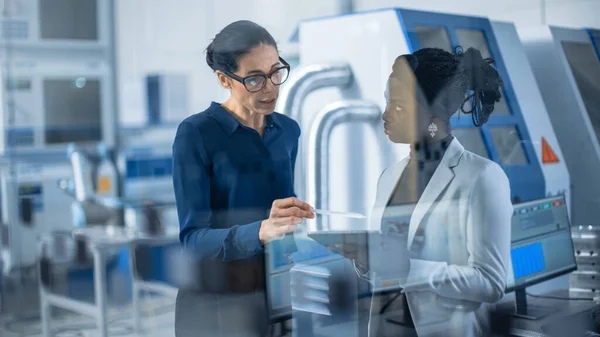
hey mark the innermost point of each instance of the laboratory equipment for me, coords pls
(32, 205)
(331, 117)
(83, 173)
(70, 23)
(585, 281)
(513, 136)
(103, 240)
(58, 83)
(541, 249)
(145, 160)
(108, 180)
(167, 98)
(567, 70)
(516, 136)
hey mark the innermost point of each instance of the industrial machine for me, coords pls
(57, 76)
(145, 161)
(337, 96)
(516, 135)
(32, 205)
(566, 64)
(167, 98)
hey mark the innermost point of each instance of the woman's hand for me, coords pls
(285, 216)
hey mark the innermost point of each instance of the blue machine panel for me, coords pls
(148, 167)
(595, 37)
(525, 174)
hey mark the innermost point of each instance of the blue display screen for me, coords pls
(528, 260)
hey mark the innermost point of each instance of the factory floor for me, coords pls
(158, 320)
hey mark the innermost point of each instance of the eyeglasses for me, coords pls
(255, 83)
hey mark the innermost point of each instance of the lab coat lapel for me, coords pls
(442, 176)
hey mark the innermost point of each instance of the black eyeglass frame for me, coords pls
(266, 77)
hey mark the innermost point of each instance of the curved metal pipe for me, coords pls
(320, 133)
(310, 78)
(304, 81)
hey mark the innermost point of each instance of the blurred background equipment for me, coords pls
(57, 87)
(566, 65)
(585, 281)
(167, 98)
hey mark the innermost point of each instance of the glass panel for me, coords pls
(469, 38)
(68, 19)
(72, 110)
(434, 37)
(586, 69)
(508, 145)
(471, 140)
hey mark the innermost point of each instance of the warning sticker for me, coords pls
(548, 155)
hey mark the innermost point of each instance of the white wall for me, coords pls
(571, 13)
(171, 36)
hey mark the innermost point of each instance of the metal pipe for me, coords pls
(100, 290)
(320, 133)
(70, 304)
(304, 81)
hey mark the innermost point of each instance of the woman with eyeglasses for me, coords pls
(233, 173)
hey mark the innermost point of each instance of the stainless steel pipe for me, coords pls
(304, 81)
(332, 115)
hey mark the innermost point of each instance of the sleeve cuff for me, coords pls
(248, 239)
(422, 275)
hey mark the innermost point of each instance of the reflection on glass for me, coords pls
(500, 108)
(585, 66)
(472, 140)
(434, 37)
(508, 145)
(469, 38)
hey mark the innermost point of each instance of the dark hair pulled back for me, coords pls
(450, 81)
(235, 40)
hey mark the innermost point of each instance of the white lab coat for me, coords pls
(465, 212)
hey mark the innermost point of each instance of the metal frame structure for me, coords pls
(101, 244)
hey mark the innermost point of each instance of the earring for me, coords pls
(398, 108)
(433, 128)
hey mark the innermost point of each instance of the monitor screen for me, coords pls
(541, 245)
(73, 110)
(68, 20)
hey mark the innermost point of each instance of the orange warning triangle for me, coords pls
(548, 155)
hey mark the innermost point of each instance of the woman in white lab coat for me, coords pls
(456, 241)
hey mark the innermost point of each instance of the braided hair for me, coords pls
(449, 81)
